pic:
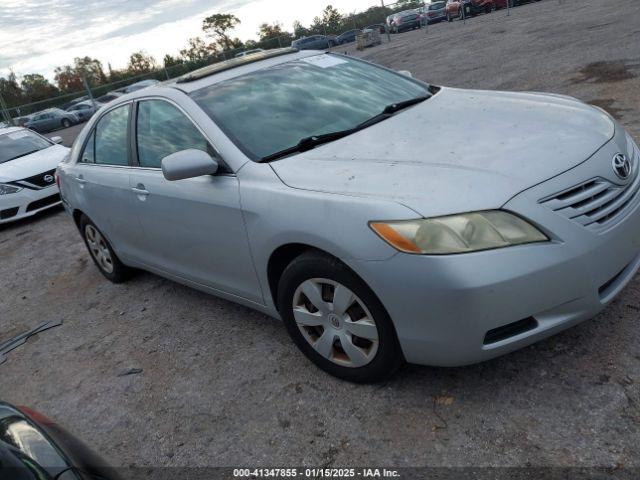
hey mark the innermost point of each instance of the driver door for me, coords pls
(193, 228)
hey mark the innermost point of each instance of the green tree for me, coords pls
(331, 19)
(141, 62)
(299, 30)
(10, 90)
(273, 35)
(35, 87)
(217, 26)
(197, 50)
(69, 77)
(407, 4)
(91, 69)
(171, 61)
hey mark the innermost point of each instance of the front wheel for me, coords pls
(66, 123)
(337, 321)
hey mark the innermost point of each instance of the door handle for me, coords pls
(80, 179)
(140, 190)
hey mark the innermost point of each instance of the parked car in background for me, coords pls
(108, 97)
(381, 27)
(404, 21)
(27, 166)
(347, 37)
(83, 110)
(248, 52)
(314, 42)
(434, 12)
(51, 119)
(20, 121)
(470, 8)
(139, 85)
(34, 447)
(82, 98)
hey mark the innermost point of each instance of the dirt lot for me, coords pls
(223, 385)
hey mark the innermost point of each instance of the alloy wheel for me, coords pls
(335, 322)
(98, 248)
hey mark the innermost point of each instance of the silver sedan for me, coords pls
(299, 184)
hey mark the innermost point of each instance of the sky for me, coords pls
(38, 35)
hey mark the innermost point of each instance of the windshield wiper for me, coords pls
(313, 141)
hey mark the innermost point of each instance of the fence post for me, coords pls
(279, 43)
(5, 112)
(386, 26)
(86, 85)
(508, 7)
(166, 73)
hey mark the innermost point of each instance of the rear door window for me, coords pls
(88, 154)
(112, 137)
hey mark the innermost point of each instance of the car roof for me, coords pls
(219, 72)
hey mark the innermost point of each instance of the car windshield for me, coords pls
(272, 109)
(19, 143)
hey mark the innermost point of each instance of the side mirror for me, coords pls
(406, 73)
(189, 163)
(56, 140)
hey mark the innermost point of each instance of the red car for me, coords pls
(471, 8)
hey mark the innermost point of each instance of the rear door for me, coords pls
(102, 178)
(194, 228)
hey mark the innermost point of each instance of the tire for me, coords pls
(66, 123)
(461, 13)
(449, 19)
(99, 249)
(330, 342)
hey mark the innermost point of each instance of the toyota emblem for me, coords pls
(621, 166)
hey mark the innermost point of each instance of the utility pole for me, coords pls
(386, 26)
(5, 111)
(86, 85)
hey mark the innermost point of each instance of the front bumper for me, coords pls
(27, 202)
(447, 309)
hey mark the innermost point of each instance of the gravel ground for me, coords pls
(223, 386)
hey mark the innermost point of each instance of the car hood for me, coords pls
(30, 165)
(461, 150)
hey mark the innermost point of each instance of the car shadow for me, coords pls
(23, 222)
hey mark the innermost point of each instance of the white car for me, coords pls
(27, 172)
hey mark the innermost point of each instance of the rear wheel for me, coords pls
(102, 254)
(336, 320)
(66, 123)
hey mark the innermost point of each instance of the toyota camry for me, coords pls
(299, 184)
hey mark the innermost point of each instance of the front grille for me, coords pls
(8, 213)
(43, 202)
(37, 182)
(595, 204)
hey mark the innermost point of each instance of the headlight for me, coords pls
(467, 232)
(8, 189)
